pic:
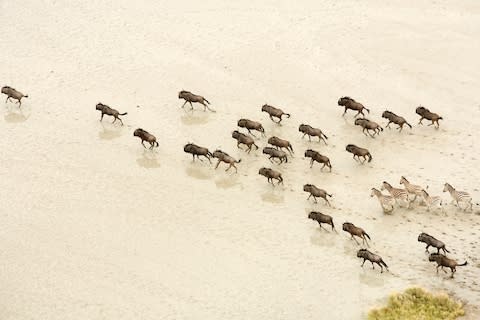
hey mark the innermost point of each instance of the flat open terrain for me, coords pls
(92, 226)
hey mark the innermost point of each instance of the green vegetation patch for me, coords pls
(418, 304)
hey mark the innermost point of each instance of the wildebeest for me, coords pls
(368, 125)
(190, 97)
(271, 174)
(431, 241)
(312, 132)
(351, 104)
(146, 136)
(373, 258)
(321, 218)
(244, 139)
(393, 118)
(106, 110)
(274, 112)
(424, 113)
(251, 125)
(225, 157)
(355, 231)
(275, 153)
(316, 193)
(316, 156)
(443, 261)
(359, 152)
(198, 151)
(280, 143)
(13, 94)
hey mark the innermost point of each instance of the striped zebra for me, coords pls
(396, 193)
(459, 196)
(387, 202)
(431, 200)
(411, 188)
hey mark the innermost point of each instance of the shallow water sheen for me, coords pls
(93, 226)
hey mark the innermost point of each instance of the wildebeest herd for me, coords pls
(407, 196)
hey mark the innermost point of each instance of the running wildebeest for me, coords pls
(359, 152)
(355, 231)
(424, 113)
(271, 174)
(190, 97)
(13, 94)
(443, 261)
(280, 143)
(244, 139)
(312, 132)
(317, 192)
(393, 118)
(431, 241)
(275, 153)
(373, 258)
(351, 104)
(321, 218)
(274, 112)
(146, 136)
(316, 156)
(251, 125)
(198, 151)
(106, 110)
(225, 157)
(368, 125)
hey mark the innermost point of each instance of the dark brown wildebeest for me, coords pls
(251, 125)
(351, 104)
(431, 241)
(198, 151)
(424, 113)
(146, 136)
(225, 157)
(280, 143)
(355, 231)
(359, 152)
(275, 153)
(244, 139)
(271, 174)
(368, 125)
(274, 112)
(13, 94)
(316, 193)
(443, 261)
(373, 258)
(393, 118)
(316, 156)
(321, 218)
(190, 97)
(106, 110)
(312, 132)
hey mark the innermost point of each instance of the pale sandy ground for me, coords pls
(94, 227)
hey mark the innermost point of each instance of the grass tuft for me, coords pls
(418, 304)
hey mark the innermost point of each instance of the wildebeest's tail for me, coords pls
(463, 264)
(290, 147)
(446, 249)
(209, 154)
(368, 110)
(330, 195)
(323, 134)
(288, 115)
(238, 161)
(26, 96)
(206, 101)
(383, 263)
(369, 157)
(156, 143)
(408, 124)
(123, 114)
(366, 234)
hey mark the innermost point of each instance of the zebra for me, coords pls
(431, 200)
(396, 193)
(411, 188)
(387, 202)
(459, 196)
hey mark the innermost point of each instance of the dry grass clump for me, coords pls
(418, 304)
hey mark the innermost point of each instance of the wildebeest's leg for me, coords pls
(249, 148)
(120, 121)
(8, 97)
(326, 200)
(251, 133)
(364, 130)
(358, 113)
(183, 105)
(191, 105)
(143, 144)
(315, 199)
(363, 262)
(311, 162)
(388, 124)
(309, 196)
(438, 266)
(256, 147)
(218, 164)
(401, 127)
(343, 115)
(354, 239)
(420, 122)
(381, 271)
(101, 118)
(208, 158)
(114, 119)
